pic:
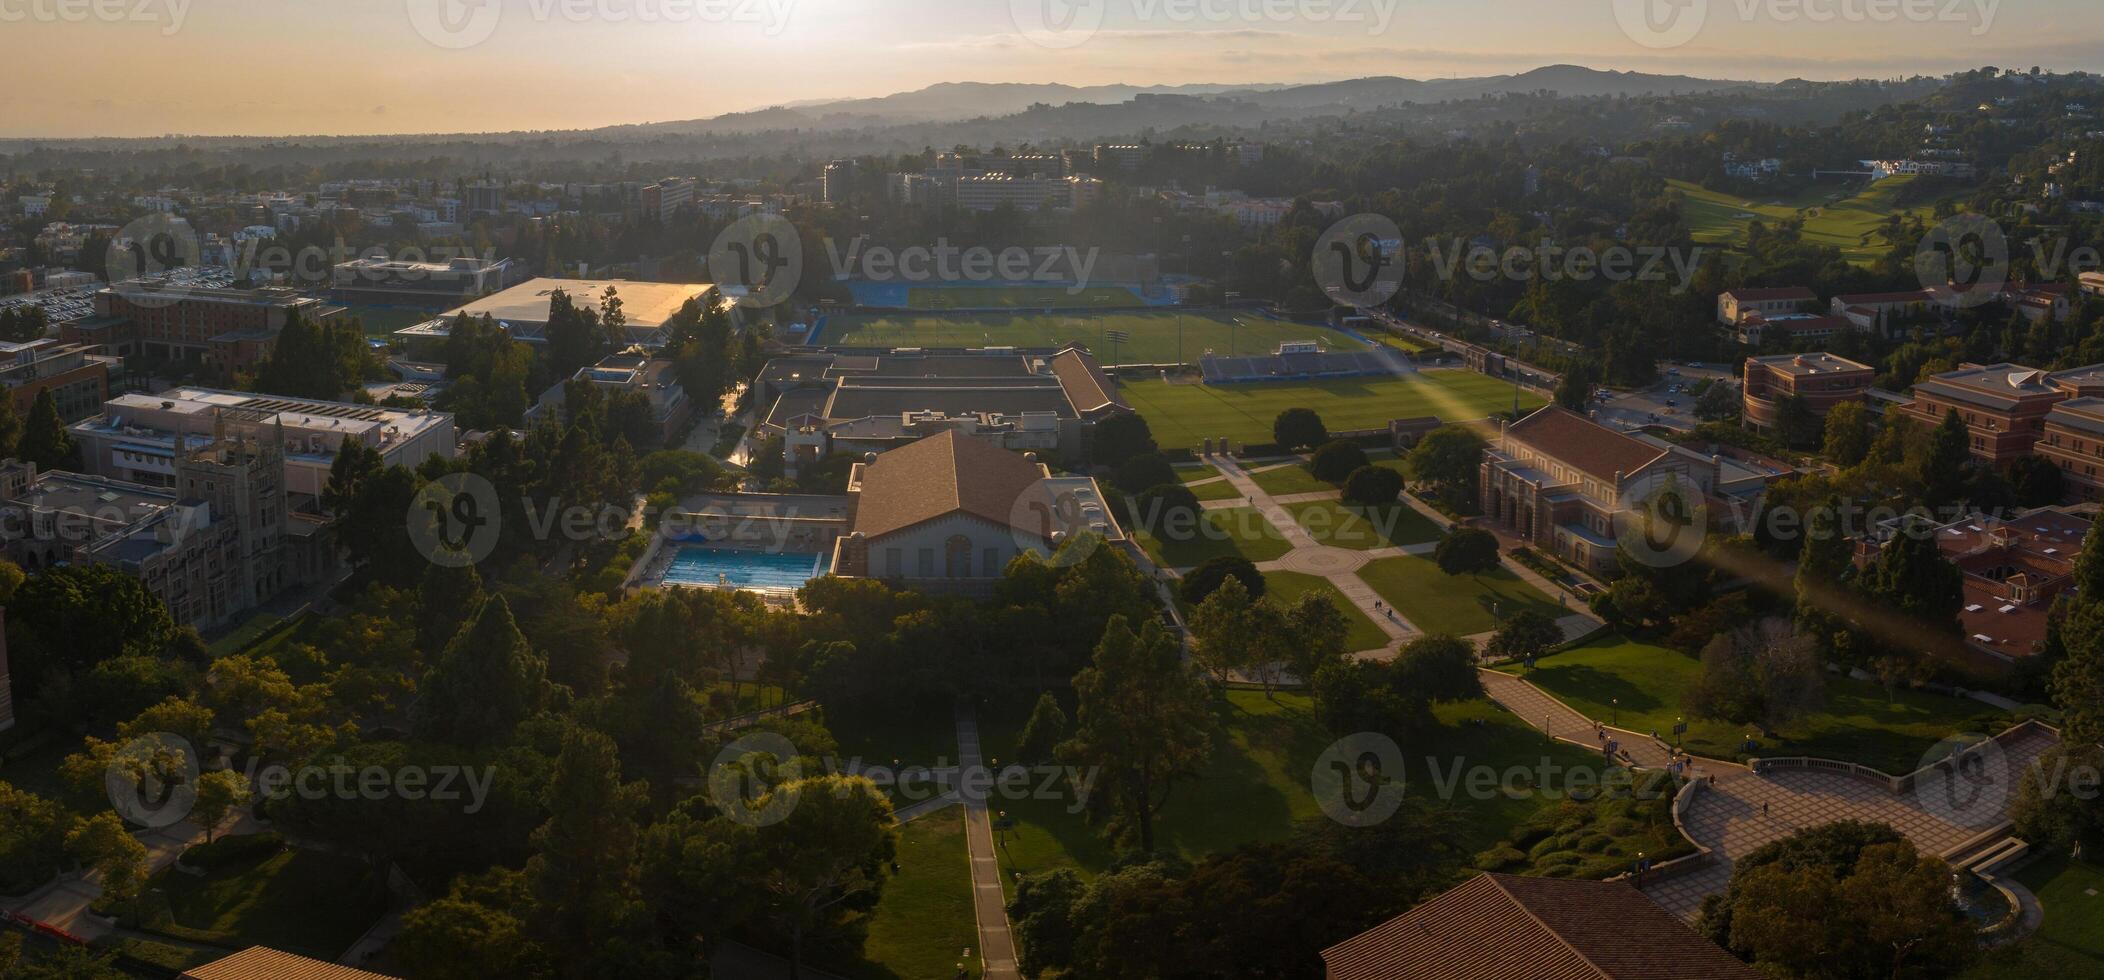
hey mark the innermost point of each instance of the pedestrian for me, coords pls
(1764, 808)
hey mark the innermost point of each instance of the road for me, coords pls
(1659, 404)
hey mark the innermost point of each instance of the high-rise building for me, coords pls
(485, 198)
(840, 182)
(662, 199)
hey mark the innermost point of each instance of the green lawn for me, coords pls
(1019, 297)
(1288, 587)
(1153, 337)
(382, 321)
(1194, 472)
(1436, 602)
(2070, 943)
(924, 920)
(1291, 479)
(1364, 528)
(1185, 415)
(1216, 490)
(1853, 223)
(1858, 723)
(1257, 783)
(1229, 532)
(308, 902)
(896, 738)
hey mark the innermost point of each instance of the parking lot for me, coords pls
(1670, 402)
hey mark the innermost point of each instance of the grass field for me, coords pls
(1185, 415)
(382, 321)
(1231, 532)
(1364, 528)
(1294, 478)
(2070, 943)
(1461, 605)
(923, 922)
(1859, 724)
(1256, 785)
(1854, 223)
(1288, 587)
(1020, 298)
(1153, 337)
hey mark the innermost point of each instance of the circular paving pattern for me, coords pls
(1323, 561)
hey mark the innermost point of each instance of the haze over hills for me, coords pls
(958, 101)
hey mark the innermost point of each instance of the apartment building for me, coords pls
(1822, 380)
(662, 199)
(993, 191)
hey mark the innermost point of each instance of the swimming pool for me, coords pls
(717, 568)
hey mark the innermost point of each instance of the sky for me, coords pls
(77, 68)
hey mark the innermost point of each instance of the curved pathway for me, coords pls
(1744, 810)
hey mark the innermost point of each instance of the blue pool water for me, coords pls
(694, 565)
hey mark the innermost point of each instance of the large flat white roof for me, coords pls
(646, 304)
(144, 416)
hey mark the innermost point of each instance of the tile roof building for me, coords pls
(1502, 927)
(949, 512)
(264, 963)
(2013, 570)
(825, 404)
(1563, 482)
(1822, 380)
(1736, 305)
(2004, 406)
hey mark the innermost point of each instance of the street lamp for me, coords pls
(1615, 718)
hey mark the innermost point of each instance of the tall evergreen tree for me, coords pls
(1943, 466)
(486, 683)
(1144, 718)
(45, 440)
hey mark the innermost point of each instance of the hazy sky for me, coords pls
(151, 67)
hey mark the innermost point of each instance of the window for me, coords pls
(994, 565)
(927, 563)
(894, 563)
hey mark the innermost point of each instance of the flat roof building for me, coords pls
(137, 437)
(163, 319)
(2004, 406)
(1822, 380)
(629, 371)
(426, 285)
(523, 309)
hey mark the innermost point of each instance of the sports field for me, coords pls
(1849, 216)
(1152, 337)
(1021, 298)
(1184, 415)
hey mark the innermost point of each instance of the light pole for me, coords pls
(1615, 716)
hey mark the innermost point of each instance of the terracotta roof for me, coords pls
(1088, 388)
(946, 474)
(1583, 443)
(1880, 299)
(1501, 927)
(264, 963)
(1764, 295)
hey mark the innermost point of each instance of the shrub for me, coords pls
(1336, 461)
(1139, 473)
(1167, 508)
(234, 850)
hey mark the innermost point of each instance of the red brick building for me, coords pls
(227, 330)
(2004, 405)
(1822, 380)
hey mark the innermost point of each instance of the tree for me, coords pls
(1170, 512)
(1373, 486)
(1196, 586)
(1718, 403)
(1450, 459)
(487, 681)
(1467, 551)
(1795, 422)
(354, 464)
(1847, 440)
(1843, 900)
(1297, 429)
(1144, 719)
(1526, 636)
(1119, 438)
(1223, 631)
(1767, 674)
(1044, 731)
(582, 873)
(102, 843)
(1944, 466)
(10, 429)
(1912, 576)
(1140, 472)
(1574, 391)
(45, 440)
(219, 793)
(456, 939)
(1316, 634)
(32, 839)
(828, 855)
(1336, 461)
(2035, 481)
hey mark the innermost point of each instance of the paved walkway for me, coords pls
(1340, 566)
(64, 903)
(1744, 810)
(996, 945)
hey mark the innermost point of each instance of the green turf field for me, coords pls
(1154, 337)
(382, 321)
(1021, 298)
(1848, 216)
(1184, 415)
